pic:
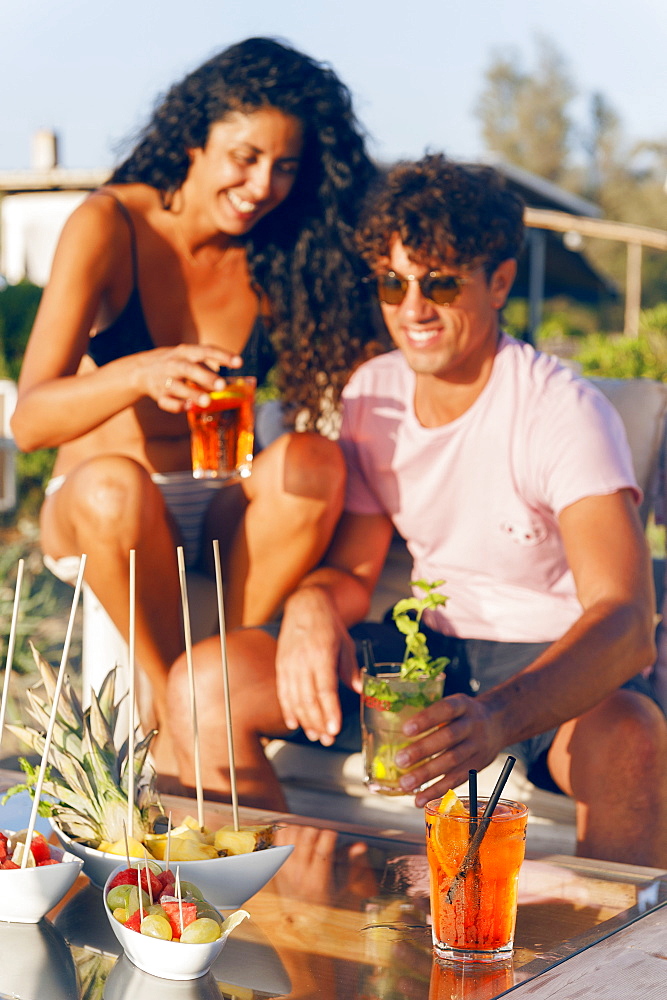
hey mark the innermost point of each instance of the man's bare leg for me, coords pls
(613, 762)
(255, 711)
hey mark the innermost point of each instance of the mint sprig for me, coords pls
(407, 614)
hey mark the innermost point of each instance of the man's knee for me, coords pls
(625, 735)
(314, 468)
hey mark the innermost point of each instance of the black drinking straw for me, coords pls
(369, 659)
(476, 840)
(472, 802)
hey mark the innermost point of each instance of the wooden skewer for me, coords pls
(179, 896)
(131, 696)
(191, 679)
(127, 845)
(10, 646)
(225, 682)
(168, 851)
(52, 718)
(148, 878)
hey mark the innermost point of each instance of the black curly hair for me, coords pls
(302, 254)
(443, 210)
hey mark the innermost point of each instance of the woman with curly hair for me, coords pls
(224, 240)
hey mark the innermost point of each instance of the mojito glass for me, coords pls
(387, 702)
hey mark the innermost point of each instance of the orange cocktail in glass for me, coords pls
(222, 433)
(474, 898)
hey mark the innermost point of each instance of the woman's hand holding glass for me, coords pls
(178, 377)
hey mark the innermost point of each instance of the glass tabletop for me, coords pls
(347, 915)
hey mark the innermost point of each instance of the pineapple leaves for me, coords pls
(87, 775)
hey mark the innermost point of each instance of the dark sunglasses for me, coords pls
(440, 288)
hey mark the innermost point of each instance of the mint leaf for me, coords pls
(417, 662)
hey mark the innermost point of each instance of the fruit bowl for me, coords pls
(29, 893)
(227, 883)
(164, 959)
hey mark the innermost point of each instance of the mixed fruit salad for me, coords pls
(12, 846)
(146, 899)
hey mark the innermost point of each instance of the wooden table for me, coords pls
(347, 917)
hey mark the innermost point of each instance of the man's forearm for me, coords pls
(346, 593)
(602, 650)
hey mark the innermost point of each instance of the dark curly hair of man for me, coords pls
(443, 211)
(302, 255)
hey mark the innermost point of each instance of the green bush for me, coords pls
(654, 320)
(624, 357)
(18, 306)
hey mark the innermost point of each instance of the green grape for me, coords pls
(153, 865)
(156, 910)
(205, 909)
(118, 896)
(190, 889)
(133, 899)
(156, 926)
(121, 914)
(203, 930)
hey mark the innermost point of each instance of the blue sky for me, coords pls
(91, 69)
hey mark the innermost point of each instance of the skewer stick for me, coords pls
(148, 878)
(127, 846)
(225, 682)
(10, 646)
(191, 679)
(54, 711)
(131, 696)
(179, 896)
(168, 851)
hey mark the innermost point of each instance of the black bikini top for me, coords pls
(129, 333)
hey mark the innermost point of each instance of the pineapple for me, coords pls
(87, 774)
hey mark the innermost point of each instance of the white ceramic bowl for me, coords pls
(164, 959)
(227, 883)
(27, 894)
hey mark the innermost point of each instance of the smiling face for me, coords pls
(451, 342)
(246, 169)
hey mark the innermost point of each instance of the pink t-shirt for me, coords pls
(477, 500)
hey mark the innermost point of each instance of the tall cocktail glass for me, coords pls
(473, 906)
(222, 433)
(387, 702)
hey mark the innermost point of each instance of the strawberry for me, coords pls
(8, 863)
(49, 861)
(3, 846)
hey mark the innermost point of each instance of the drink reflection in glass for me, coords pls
(222, 433)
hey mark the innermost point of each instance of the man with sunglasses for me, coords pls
(511, 480)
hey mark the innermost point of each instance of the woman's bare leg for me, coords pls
(251, 666)
(285, 519)
(107, 506)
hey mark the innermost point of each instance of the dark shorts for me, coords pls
(475, 666)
